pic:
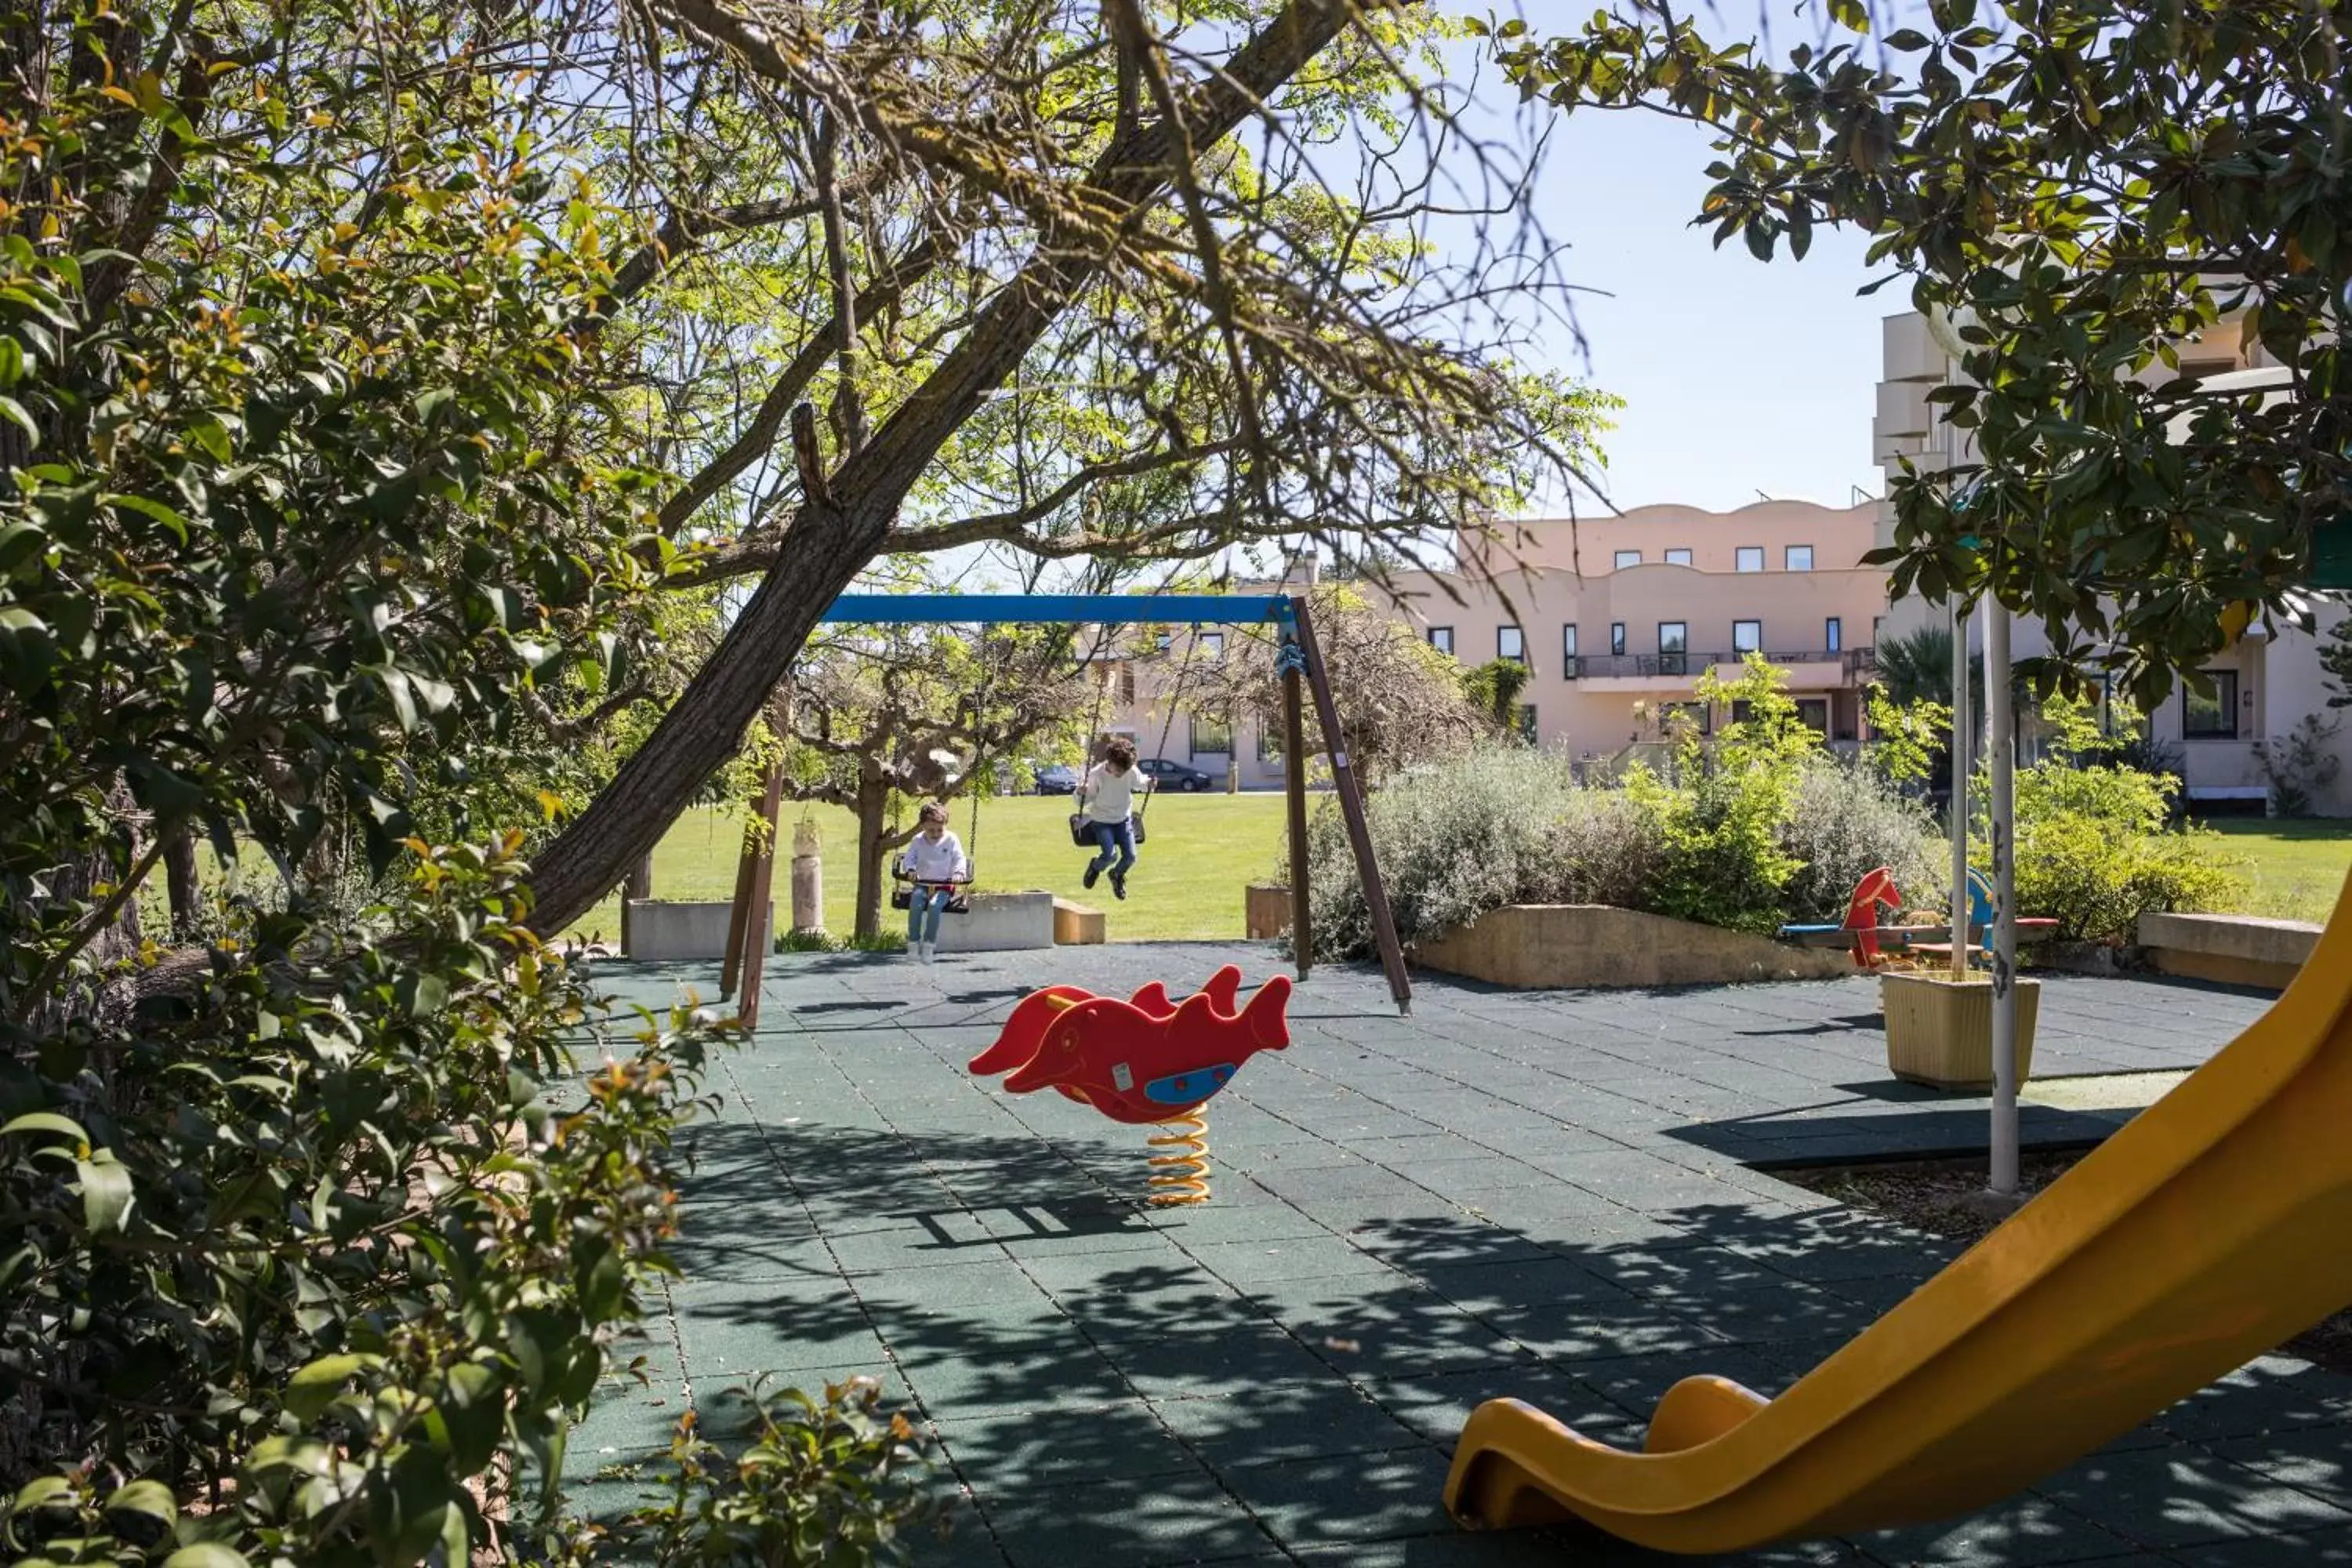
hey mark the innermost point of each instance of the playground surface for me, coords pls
(1553, 1196)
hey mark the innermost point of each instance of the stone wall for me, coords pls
(1563, 946)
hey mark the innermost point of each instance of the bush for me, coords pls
(2094, 852)
(1510, 826)
(315, 1240)
(1845, 821)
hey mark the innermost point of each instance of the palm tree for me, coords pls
(1917, 666)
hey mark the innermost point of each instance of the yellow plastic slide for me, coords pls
(2210, 1229)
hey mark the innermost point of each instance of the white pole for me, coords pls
(1962, 766)
(2004, 899)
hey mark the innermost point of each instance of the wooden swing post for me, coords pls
(1352, 807)
(1294, 789)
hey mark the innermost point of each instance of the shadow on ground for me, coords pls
(1279, 1377)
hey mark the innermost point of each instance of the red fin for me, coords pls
(1264, 1019)
(1224, 988)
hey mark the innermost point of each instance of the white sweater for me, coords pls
(1109, 796)
(936, 860)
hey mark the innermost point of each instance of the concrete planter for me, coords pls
(1940, 1030)
(677, 931)
(2234, 950)
(1000, 923)
(1564, 946)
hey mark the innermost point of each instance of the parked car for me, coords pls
(1165, 775)
(1057, 778)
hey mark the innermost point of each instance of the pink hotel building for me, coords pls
(1616, 618)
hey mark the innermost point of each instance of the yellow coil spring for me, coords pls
(1180, 1175)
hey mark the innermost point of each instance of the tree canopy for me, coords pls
(2083, 188)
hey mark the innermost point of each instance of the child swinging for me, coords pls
(1107, 800)
(934, 861)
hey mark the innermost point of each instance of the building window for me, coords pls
(1628, 558)
(1813, 714)
(1568, 650)
(1510, 643)
(1617, 639)
(1674, 648)
(1127, 684)
(1834, 634)
(1751, 558)
(2213, 718)
(1746, 636)
(1679, 556)
(1212, 645)
(1878, 630)
(1211, 737)
(1798, 558)
(1441, 638)
(1527, 722)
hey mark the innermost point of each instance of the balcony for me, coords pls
(1811, 669)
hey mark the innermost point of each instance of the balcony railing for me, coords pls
(1602, 666)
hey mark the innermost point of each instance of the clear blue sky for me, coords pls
(1738, 376)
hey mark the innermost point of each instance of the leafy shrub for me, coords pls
(1845, 820)
(2299, 764)
(2095, 853)
(1758, 829)
(323, 1239)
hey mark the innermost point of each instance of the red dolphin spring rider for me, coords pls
(1146, 1060)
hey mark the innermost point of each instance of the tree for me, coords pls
(1262, 356)
(1495, 685)
(2082, 190)
(1400, 700)
(880, 715)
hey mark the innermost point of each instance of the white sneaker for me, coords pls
(930, 950)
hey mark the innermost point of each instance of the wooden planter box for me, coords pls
(1940, 1030)
(1265, 911)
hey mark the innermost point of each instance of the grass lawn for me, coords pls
(2294, 870)
(1187, 884)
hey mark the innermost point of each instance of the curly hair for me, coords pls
(1121, 754)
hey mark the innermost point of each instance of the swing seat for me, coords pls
(1082, 830)
(959, 902)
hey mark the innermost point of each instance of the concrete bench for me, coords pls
(675, 931)
(1075, 925)
(2234, 950)
(1000, 923)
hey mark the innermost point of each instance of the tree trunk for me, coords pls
(180, 883)
(873, 829)
(837, 530)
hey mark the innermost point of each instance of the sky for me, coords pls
(1740, 377)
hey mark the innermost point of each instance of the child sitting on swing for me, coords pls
(934, 862)
(1109, 789)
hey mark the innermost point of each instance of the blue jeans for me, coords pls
(1118, 843)
(923, 914)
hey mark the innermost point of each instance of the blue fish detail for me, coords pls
(1185, 1088)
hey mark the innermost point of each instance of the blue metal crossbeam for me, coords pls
(1093, 609)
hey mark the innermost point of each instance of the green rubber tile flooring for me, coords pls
(1562, 1197)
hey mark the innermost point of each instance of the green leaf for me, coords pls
(28, 652)
(19, 542)
(318, 1386)
(13, 412)
(106, 1192)
(42, 1492)
(155, 510)
(45, 1121)
(206, 1554)
(152, 1498)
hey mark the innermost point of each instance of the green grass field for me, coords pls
(2292, 869)
(1187, 885)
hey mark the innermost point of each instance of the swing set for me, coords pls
(1299, 664)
